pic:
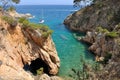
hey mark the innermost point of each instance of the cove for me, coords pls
(69, 49)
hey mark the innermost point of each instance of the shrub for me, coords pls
(100, 29)
(112, 34)
(20, 20)
(25, 23)
(12, 22)
(11, 8)
(40, 71)
(45, 31)
(46, 34)
(34, 26)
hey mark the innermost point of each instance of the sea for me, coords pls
(69, 49)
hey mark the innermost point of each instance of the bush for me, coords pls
(12, 22)
(20, 20)
(112, 34)
(100, 29)
(40, 71)
(46, 31)
(34, 26)
(25, 23)
(46, 34)
(11, 8)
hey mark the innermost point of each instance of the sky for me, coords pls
(47, 2)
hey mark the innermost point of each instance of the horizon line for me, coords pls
(44, 4)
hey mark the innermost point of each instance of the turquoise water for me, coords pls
(69, 49)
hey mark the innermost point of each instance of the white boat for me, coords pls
(42, 20)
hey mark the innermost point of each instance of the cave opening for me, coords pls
(36, 65)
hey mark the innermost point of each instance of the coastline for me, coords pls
(102, 35)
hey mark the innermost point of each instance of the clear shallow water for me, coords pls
(69, 49)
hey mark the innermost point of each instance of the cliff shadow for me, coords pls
(37, 67)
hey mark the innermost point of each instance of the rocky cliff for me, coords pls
(19, 47)
(98, 20)
(101, 23)
(103, 13)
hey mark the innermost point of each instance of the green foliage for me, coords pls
(86, 70)
(11, 8)
(82, 73)
(25, 23)
(12, 22)
(100, 29)
(112, 34)
(43, 28)
(34, 25)
(20, 20)
(16, 1)
(45, 31)
(40, 71)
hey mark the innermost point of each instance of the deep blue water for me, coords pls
(69, 49)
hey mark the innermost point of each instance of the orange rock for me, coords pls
(19, 47)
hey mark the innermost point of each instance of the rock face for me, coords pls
(100, 43)
(105, 14)
(20, 46)
(102, 13)
(46, 77)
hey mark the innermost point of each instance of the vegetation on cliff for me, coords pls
(25, 23)
(43, 28)
(100, 21)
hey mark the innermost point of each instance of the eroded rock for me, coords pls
(20, 47)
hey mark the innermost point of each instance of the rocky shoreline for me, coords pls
(19, 15)
(100, 21)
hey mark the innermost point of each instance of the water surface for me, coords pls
(69, 49)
